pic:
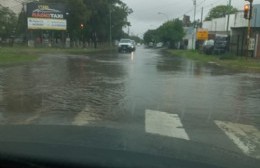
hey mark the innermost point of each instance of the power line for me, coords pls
(200, 4)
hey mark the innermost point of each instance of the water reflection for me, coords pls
(208, 91)
(117, 88)
(56, 89)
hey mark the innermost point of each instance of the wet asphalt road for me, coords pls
(146, 93)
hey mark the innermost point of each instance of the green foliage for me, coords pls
(220, 11)
(8, 22)
(22, 24)
(136, 39)
(95, 15)
(151, 36)
(170, 32)
(15, 55)
(227, 60)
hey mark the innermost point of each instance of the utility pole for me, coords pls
(195, 8)
(228, 18)
(201, 19)
(248, 10)
(110, 25)
(194, 22)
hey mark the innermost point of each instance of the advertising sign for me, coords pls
(251, 46)
(46, 16)
(47, 24)
(202, 34)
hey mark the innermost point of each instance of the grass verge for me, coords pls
(15, 55)
(12, 55)
(226, 60)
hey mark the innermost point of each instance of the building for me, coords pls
(188, 42)
(237, 29)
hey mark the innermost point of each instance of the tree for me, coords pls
(22, 24)
(170, 32)
(220, 11)
(77, 14)
(136, 38)
(8, 22)
(151, 36)
(95, 16)
(99, 20)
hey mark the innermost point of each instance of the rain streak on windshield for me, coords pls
(184, 91)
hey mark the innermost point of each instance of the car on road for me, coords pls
(134, 44)
(159, 45)
(126, 45)
(150, 45)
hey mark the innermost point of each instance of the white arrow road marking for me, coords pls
(246, 137)
(162, 123)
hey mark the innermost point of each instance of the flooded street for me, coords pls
(130, 91)
(112, 87)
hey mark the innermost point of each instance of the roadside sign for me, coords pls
(251, 45)
(41, 16)
(202, 34)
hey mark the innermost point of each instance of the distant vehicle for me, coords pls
(126, 45)
(208, 47)
(134, 44)
(150, 44)
(159, 45)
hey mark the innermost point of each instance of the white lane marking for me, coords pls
(29, 120)
(246, 137)
(85, 117)
(162, 123)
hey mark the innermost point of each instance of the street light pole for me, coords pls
(229, 5)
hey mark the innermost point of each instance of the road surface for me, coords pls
(145, 101)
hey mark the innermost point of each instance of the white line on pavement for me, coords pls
(85, 117)
(246, 137)
(162, 123)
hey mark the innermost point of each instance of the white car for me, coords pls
(126, 45)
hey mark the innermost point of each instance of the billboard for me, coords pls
(47, 24)
(46, 16)
(202, 34)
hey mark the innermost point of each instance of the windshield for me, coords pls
(125, 41)
(152, 81)
(209, 42)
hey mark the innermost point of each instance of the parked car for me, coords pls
(208, 47)
(221, 44)
(126, 45)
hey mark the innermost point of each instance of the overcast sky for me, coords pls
(146, 15)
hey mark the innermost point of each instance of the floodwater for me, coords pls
(116, 89)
